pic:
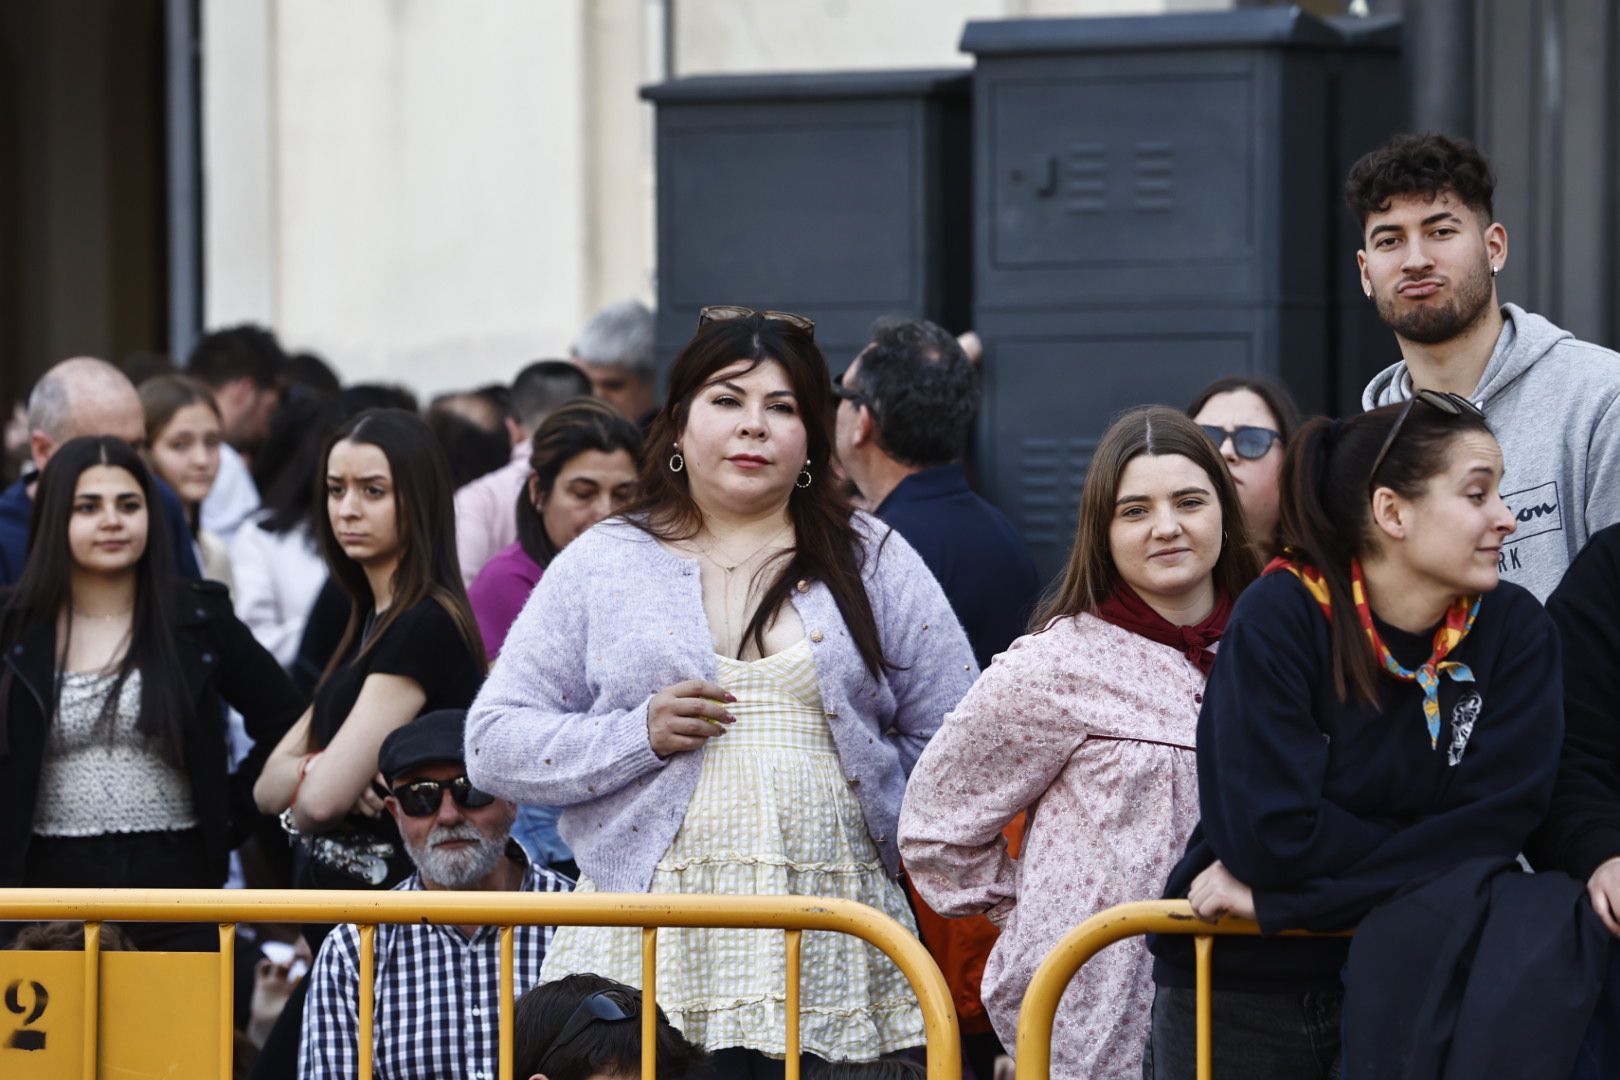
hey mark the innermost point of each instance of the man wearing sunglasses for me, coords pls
(437, 988)
(1430, 260)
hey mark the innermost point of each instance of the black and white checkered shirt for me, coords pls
(437, 996)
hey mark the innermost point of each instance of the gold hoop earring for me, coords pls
(805, 479)
(676, 462)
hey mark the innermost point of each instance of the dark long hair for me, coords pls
(301, 431)
(827, 548)
(1278, 401)
(1327, 509)
(578, 425)
(425, 519)
(1091, 576)
(45, 590)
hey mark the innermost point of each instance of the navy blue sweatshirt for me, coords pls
(1583, 827)
(1325, 807)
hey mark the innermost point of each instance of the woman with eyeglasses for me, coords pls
(1087, 724)
(113, 759)
(411, 646)
(1384, 719)
(726, 688)
(1251, 419)
(586, 1027)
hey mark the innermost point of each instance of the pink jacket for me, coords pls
(1090, 728)
(486, 513)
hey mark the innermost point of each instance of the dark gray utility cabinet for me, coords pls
(839, 196)
(1156, 203)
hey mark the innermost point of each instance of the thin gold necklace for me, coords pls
(725, 589)
(77, 614)
(708, 552)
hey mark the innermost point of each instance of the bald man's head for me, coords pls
(82, 396)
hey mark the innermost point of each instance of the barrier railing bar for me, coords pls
(366, 1004)
(793, 943)
(1052, 977)
(92, 997)
(1204, 1029)
(649, 1001)
(227, 997)
(644, 911)
(507, 1008)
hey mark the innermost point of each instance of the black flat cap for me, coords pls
(431, 739)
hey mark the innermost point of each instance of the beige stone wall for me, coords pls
(437, 191)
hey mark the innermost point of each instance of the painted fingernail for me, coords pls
(730, 719)
(730, 698)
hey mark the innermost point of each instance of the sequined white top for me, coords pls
(99, 775)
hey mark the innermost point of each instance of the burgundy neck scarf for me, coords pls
(1129, 611)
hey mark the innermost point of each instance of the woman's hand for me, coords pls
(370, 804)
(1216, 892)
(686, 715)
(1604, 889)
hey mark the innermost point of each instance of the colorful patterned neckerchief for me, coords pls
(1459, 620)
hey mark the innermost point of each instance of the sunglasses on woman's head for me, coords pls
(1249, 442)
(727, 312)
(422, 798)
(1447, 402)
(604, 1006)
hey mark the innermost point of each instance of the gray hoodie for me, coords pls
(1552, 401)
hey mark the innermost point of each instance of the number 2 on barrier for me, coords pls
(27, 1001)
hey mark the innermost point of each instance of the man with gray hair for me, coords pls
(486, 508)
(616, 351)
(81, 396)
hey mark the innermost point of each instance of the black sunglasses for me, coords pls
(847, 393)
(1448, 403)
(422, 798)
(727, 312)
(1250, 443)
(604, 1006)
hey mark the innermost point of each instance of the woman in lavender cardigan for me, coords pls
(727, 687)
(1088, 723)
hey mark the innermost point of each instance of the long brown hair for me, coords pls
(827, 548)
(1156, 430)
(425, 517)
(1327, 508)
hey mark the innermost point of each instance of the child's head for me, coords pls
(586, 1027)
(885, 1069)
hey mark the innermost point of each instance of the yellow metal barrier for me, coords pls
(793, 914)
(1051, 979)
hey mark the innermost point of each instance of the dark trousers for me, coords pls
(1256, 1036)
(141, 860)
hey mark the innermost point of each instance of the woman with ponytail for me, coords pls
(1385, 716)
(725, 687)
(1087, 723)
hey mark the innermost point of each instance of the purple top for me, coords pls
(498, 593)
(562, 718)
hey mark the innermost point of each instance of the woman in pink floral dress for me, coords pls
(1088, 724)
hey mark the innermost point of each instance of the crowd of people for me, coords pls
(758, 635)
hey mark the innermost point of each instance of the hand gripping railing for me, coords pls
(649, 912)
(1051, 979)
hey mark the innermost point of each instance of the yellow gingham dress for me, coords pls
(772, 815)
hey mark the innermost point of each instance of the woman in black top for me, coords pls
(1381, 711)
(114, 770)
(410, 646)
